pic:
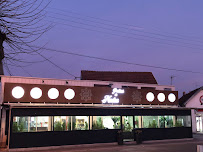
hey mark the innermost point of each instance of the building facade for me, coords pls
(50, 112)
(194, 100)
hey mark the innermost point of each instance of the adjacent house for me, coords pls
(194, 101)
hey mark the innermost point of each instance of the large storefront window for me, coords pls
(106, 122)
(68, 123)
(183, 121)
(32, 124)
(169, 121)
(62, 123)
(40, 123)
(150, 121)
(20, 124)
(80, 122)
(166, 121)
(127, 123)
(138, 120)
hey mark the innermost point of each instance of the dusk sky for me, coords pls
(157, 33)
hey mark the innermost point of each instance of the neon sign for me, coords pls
(114, 97)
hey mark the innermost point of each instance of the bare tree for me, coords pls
(20, 25)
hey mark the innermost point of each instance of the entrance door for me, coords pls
(199, 123)
(127, 127)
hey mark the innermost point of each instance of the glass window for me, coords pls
(183, 121)
(42, 123)
(20, 124)
(150, 121)
(166, 121)
(33, 122)
(162, 121)
(169, 121)
(62, 123)
(138, 121)
(80, 122)
(97, 122)
(127, 122)
(106, 122)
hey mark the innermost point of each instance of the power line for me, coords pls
(25, 71)
(117, 61)
(118, 26)
(46, 58)
(130, 37)
(56, 65)
(114, 30)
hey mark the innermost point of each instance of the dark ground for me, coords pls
(150, 146)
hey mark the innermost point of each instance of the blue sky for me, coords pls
(157, 33)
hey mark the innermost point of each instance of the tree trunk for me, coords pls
(2, 38)
(1, 68)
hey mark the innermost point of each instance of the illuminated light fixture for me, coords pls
(36, 93)
(53, 93)
(150, 96)
(69, 94)
(171, 97)
(161, 97)
(18, 92)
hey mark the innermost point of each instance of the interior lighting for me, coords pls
(161, 97)
(171, 97)
(36, 93)
(53, 93)
(18, 92)
(69, 94)
(150, 96)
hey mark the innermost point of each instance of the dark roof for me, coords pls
(135, 77)
(185, 97)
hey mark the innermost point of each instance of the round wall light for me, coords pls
(150, 96)
(53, 93)
(161, 97)
(36, 93)
(69, 94)
(171, 97)
(18, 92)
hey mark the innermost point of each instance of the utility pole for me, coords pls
(172, 79)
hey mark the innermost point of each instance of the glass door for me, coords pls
(199, 123)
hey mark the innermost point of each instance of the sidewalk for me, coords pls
(176, 145)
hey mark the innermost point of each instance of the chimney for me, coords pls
(183, 93)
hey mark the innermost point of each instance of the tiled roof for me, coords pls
(134, 77)
(186, 97)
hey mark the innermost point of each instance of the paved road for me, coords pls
(152, 146)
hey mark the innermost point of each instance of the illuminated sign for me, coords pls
(40, 93)
(201, 100)
(114, 97)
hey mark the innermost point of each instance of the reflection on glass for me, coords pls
(106, 122)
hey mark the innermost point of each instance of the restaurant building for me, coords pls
(51, 112)
(194, 101)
